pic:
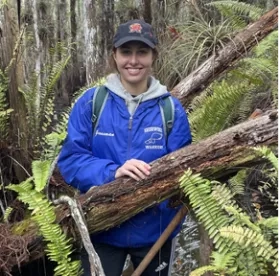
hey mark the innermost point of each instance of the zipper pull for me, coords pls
(130, 122)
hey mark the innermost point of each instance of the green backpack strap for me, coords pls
(98, 103)
(167, 113)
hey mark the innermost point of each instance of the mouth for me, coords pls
(133, 71)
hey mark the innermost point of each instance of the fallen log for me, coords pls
(219, 155)
(223, 59)
(214, 157)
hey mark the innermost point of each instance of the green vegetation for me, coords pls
(244, 244)
(58, 246)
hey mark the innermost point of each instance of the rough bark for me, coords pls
(214, 157)
(10, 61)
(218, 63)
(90, 35)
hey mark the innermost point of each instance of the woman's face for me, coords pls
(134, 62)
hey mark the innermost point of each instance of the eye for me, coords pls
(143, 51)
(125, 51)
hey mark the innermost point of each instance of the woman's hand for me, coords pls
(135, 169)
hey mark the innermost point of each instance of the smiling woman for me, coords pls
(128, 135)
(134, 62)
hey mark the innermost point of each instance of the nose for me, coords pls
(133, 58)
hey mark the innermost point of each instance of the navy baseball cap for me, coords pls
(135, 30)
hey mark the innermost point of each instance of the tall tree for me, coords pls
(11, 63)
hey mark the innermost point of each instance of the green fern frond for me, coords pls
(8, 211)
(217, 110)
(268, 46)
(238, 9)
(246, 238)
(241, 218)
(261, 66)
(237, 182)
(270, 228)
(59, 247)
(40, 101)
(202, 270)
(224, 196)
(40, 171)
(223, 261)
(205, 206)
(47, 91)
(221, 264)
(53, 143)
(269, 155)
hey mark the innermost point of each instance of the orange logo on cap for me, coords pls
(135, 28)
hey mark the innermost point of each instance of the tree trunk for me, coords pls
(199, 79)
(90, 35)
(10, 60)
(219, 155)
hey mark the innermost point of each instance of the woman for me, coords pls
(122, 145)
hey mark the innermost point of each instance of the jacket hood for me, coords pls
(155, 90)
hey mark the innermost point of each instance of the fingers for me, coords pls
(135, 169)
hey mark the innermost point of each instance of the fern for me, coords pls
(8, 211)
(58, 245)
(40, 102)
(221, 264)
(205, 206)
(269, 155)
(238, 11)
(47, 91)
(246, 238)
(241, 218)
(216, 209)
(202, 270)
(236, 183)
(217, 110)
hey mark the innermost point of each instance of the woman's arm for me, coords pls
(76, 163)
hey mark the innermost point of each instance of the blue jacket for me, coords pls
(88, 159)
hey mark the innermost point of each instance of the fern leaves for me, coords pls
(58, 245)
(216, 111)
(40, 101)
(40, 173)
(235, 10)
(243, 246)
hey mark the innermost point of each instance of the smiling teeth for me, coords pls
(133, 70)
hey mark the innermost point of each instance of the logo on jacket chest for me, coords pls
(155, 137)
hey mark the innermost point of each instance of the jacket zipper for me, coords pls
(129, 135)
(130, 123)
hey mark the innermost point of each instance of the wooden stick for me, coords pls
(161, 240)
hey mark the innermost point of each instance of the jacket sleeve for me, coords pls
(76, 162)
(180, 134)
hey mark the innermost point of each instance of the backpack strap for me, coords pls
(167, 113)
(98, 103)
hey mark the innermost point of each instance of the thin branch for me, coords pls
(77, 214)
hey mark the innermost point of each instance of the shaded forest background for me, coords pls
(50, 51)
